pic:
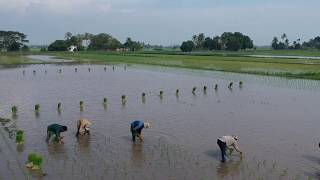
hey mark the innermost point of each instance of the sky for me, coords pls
(161, 22)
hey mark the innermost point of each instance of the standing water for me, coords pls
(277, 120)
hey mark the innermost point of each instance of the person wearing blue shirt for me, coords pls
(136, 128)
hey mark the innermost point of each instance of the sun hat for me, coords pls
(146, 125)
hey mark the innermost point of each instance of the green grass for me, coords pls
(218, 61)
(301, 68)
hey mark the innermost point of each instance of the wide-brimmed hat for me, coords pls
(235, 137)
(147, 125)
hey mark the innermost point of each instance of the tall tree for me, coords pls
(104, 41)
(283, 36)
(67, 35)
(187, 46)
(12, 40)
(275, 43)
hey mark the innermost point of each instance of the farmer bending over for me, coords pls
(228, 142)
(82, 127)
(55, 129)
(136, 128)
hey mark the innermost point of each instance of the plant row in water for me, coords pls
(75, 70)
(14, 109)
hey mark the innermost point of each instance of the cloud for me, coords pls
(23, 7)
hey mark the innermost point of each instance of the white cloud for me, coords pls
(55, 6)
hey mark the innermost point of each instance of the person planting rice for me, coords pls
(82, 127)
(55, 129)
(228, 143)
(136, 128)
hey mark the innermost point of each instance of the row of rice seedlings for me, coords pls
(14, 109)
(75, 70)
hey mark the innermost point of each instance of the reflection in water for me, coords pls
(20, 147)
(137, 155)
(84, 143)
(105, 107)
(57, 151)
(231, 168)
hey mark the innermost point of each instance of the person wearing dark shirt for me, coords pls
(55, 129)
(136, 128)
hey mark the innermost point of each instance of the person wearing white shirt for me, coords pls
(228, 142)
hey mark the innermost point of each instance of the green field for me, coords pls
(229, 62)
(218, 61)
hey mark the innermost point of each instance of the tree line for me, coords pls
(13, 41)
(284, 43)
(101, 41)
(227, 41)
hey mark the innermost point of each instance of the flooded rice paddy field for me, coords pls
(277, 120)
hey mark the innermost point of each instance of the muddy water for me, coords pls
(277, 120)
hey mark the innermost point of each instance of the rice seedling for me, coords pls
(105, 68)
(204, 88)
(34, 161)
(60, 71)
(45, 71)
(161, 93)
(14, 110)
(105, 100)
(34, 71)
(230, 85)
(89, 69)
(81, 103)
(113, 68)
(216, 87)
(123, 99)
(75, 69)
(59, 106)
(125, 67)
(194, 90)
(23, 72)
(19, 137)
(143, 97)
(240, 83)
(177, 92)
(37, 108)
(31, 158)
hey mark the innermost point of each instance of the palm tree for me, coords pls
(283, 36)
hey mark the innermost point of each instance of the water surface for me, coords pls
(277, 120)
